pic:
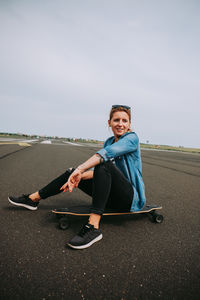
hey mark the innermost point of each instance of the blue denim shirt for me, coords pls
(126, 153)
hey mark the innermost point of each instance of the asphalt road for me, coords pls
(136, 259)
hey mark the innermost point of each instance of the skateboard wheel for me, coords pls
(64, 223)
(158, 218)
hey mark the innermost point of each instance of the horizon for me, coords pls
(84, 139)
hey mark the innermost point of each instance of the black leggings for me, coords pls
(108, 188)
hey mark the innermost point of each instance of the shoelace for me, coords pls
(85, 229)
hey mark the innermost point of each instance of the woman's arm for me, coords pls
(126, 144)
(77, 175)
(90, 163)
(87, 175)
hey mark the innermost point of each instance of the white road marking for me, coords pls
(28, 141)
(46, 142)
(8, 140)
(74, 144)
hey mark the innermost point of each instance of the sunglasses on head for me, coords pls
(123, 106)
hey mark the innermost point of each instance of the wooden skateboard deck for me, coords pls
(64, 213)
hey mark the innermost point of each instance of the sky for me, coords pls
(64, 63)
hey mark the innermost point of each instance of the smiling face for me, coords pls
(120, 123)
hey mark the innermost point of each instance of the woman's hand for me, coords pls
(73, 181)
(77, 175)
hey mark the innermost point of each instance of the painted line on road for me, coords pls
(16, 143)
(73, 144)
(46, 142)
(24, 145)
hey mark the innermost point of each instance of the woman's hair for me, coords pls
(120, 108)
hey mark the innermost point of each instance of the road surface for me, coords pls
(136, 259)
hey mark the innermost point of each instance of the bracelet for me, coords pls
(101, 159)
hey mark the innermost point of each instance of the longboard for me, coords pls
(64, 213)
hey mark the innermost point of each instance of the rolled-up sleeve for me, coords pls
(128, 143)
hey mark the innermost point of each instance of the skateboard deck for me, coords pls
(64, 213)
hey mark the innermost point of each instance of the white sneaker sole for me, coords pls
(98, 238)
(22, 205)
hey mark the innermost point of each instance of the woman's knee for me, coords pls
(102, 166)
(69, 171)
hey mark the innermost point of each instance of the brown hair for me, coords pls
(120, 108)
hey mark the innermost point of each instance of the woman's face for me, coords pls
(119, 123)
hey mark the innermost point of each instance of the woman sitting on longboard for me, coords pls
(115, 182)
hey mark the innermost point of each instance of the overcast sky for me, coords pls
(64, 63)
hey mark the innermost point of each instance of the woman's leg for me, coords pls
(53, 188)
(111, 189)
(31, 201)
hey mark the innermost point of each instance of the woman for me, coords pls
(115, 182)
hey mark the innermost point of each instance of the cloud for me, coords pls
(73, 60)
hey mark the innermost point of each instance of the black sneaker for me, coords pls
(24, 201)
(86, 237)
